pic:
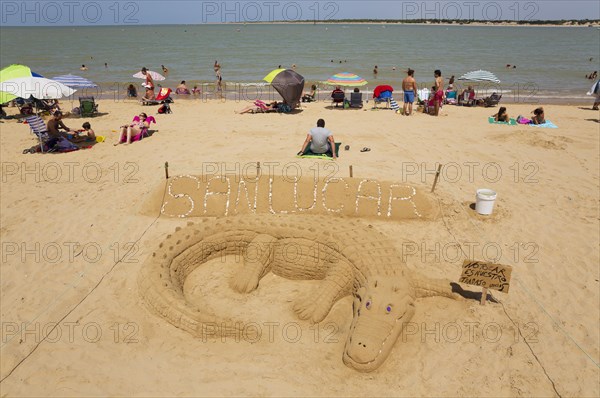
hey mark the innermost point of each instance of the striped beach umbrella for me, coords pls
(346, 79)
(480, 76)
(75, 81)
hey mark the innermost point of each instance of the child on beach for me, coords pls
(131, 91)
(538, 116)
(87, 129)
(501, 116)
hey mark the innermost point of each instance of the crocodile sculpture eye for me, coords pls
(368, 304)
(388, 309)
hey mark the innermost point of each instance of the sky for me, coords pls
(149, 12)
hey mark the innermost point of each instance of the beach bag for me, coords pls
(165, 108)
(64, 145)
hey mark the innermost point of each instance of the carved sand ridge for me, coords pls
(348, 257)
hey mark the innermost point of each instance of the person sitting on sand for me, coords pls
(310, 97)
(196, 90)
(55, 124)
(131, 91)
(538, 116)
(320, 140)
(87, 129)
(182, 89)
(130, 130)
(501, 116)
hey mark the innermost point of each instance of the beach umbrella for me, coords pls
(346, 79)
(155, 75)
(480, 76)
(75, 81)
(36, 87)
(288, 83)
(12, 72)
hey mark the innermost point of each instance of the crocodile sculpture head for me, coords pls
(382, 307)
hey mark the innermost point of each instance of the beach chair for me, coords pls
(38, 128)
(163, 97)
(87, 107)
(384, 98)
(143, 133)
(356, 100)
(492, 100)
(451, 97)
(382, 94)
(467, 99)
(338, 98)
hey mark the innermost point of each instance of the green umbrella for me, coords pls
(12, 72)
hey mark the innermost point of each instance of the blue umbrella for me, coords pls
(75, 81)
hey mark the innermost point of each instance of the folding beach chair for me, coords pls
(87, 107)
(38, 128)
(356, 100)
(382, 94)
(492, 100)
(338, 98)
(163, 97)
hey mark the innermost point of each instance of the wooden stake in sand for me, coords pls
(483, 296)
(167, 170)
(350, 171)
(437, 175)
(487, 275)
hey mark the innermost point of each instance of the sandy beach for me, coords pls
(77, 228)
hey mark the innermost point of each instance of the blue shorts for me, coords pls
(409, 96)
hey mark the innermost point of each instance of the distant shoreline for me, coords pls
(529, 24)
(562, 24)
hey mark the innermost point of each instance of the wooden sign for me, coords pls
(486, 275)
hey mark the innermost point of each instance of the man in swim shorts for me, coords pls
(409, 85)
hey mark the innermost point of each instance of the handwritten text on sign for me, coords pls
(492, 276)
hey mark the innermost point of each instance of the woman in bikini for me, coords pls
(502, 116)
(130, 130)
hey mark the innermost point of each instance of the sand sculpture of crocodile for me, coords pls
(348, 256)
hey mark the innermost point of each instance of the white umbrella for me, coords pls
(155, 75)
(75, 81)
(595, 90)
(36, 87)
(480, 76)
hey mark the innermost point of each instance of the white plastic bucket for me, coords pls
(484, 203)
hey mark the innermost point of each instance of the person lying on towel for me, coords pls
(320, 139)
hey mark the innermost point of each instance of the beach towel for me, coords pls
(548, 125)
(511, 122)
(311, 155)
